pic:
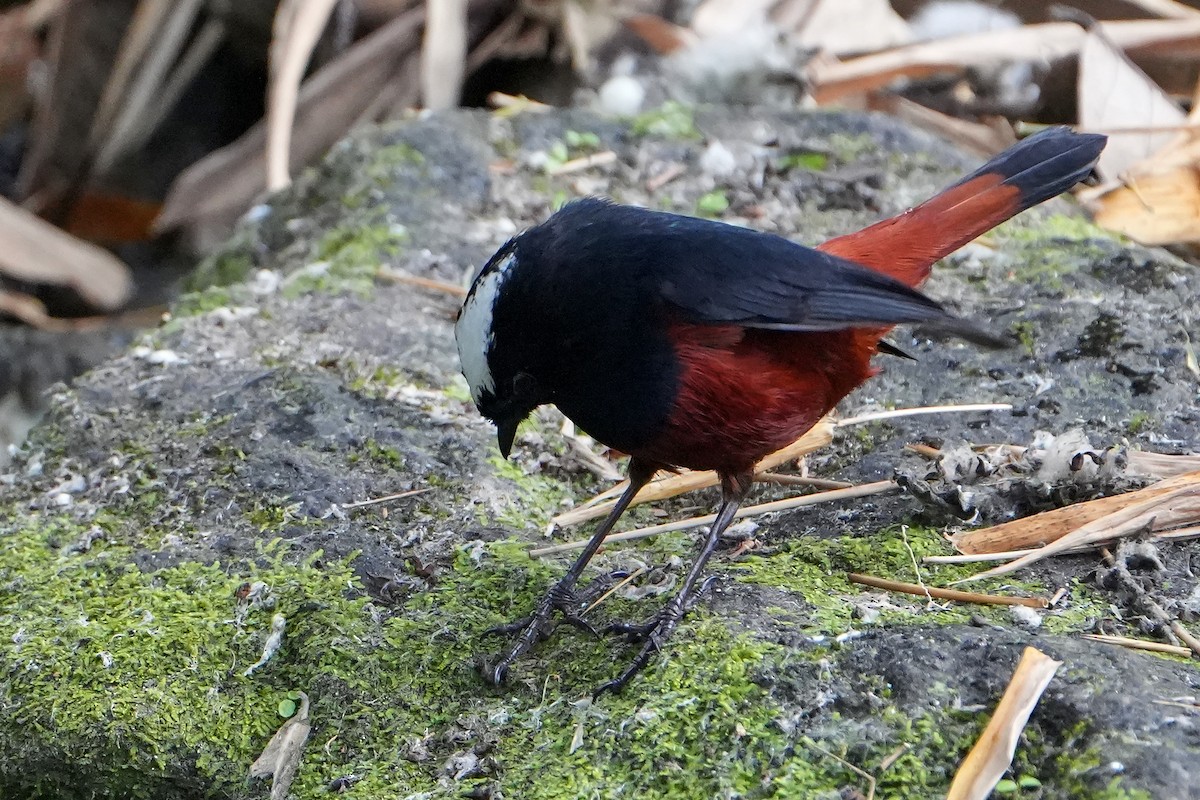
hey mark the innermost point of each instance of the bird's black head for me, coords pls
(497, 368)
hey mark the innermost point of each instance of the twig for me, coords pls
(585, 162)
(923, 450)
(425, 283)
(631, 576)
(867, 489)
(801, 480)
(894, 756)
(1139, 644)
(1186, 636)
(920, 410)
(389, 498)
(912, 557)
(817, 437)
(946, 594)
(672, 171)
(868, 777)
(1177, 704)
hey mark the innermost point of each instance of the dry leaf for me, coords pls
(984, 139)
(1050, 526)
(281, 757)
(443, 52)
(843, 27)
(298, 26)
(1174, 508)
(719, 17)
(1115, 93)
(34, 251)
(663, 37)
(1154, 209)
(992, 755)
(1034, 43)
(218, 188)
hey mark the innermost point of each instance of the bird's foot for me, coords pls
(539, 625)
(652, 633)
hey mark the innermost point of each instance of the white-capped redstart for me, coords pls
(686, 342)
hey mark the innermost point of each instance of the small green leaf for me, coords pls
(582, 140)
(294, 694)
(713, 203)
(1029, 782)
(287, 708)
(1006, 786)
(809, 161)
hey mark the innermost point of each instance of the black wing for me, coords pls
(712, 272)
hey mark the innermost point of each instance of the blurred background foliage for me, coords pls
(134, 133)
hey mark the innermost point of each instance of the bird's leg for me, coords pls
(658, 630)
(562, 595)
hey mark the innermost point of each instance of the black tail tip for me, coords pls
(1062, 139)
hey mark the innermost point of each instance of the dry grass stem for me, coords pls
(1139, 644)
(601, 159)
(443, 52)
(386, 499)
(801, 480)
(946, 594)
(425, 283)
(879, 487)
(875, 416)
(614, 589)
(1187, 637)
(515, 103)
(868, 777)
(672, 171)
(819, 436)
(992, 755)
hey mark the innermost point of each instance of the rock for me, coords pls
(214, 489)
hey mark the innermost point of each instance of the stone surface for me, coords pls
(184, 493)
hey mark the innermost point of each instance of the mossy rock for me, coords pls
(182, 496)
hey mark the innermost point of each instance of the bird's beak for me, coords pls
(506, 431)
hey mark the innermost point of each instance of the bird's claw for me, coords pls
(538, 625)
(653, 633)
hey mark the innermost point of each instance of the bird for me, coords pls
(692, 343)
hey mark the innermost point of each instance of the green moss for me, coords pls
(202, 301)
(671, 120)
(815, 569)
(123, 674)
(1026, 333)
(383, 454)
(1139, 421)
(271, 516)
(1042, 248)
(347, 259)
(536, 497)
(225, 267)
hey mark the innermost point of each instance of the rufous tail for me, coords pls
(1034, 170)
